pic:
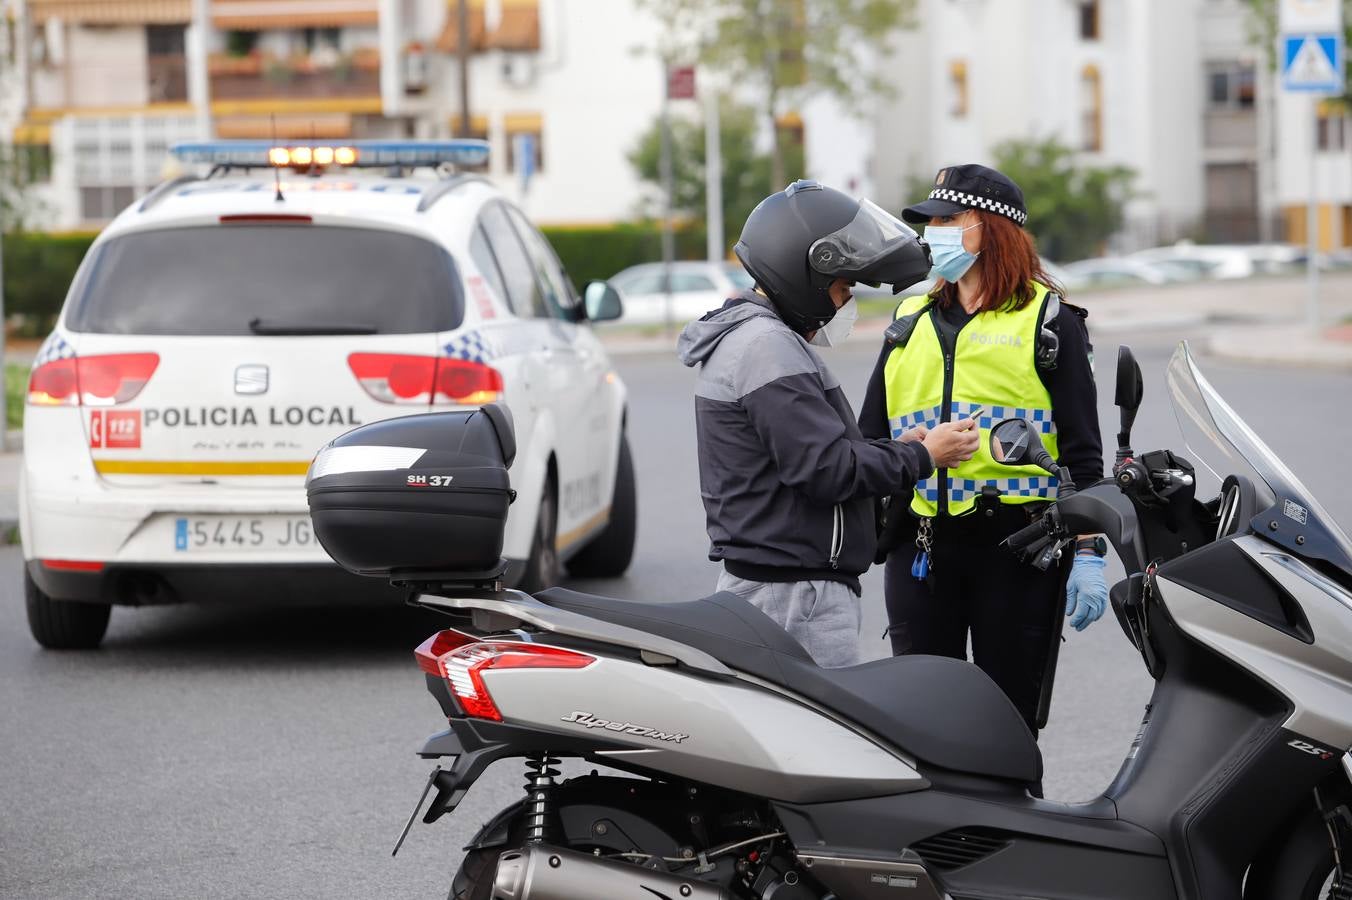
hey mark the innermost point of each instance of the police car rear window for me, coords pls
(268, 280)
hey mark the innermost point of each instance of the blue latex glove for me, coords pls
(1086, 592)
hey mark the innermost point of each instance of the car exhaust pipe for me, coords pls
(542, 872)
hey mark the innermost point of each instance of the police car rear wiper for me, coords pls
(259, 326)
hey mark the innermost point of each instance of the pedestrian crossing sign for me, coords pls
(1313, 63)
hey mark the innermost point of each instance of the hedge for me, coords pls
(39, 267)
(38, 271)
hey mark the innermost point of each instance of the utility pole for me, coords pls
(668, 188)
(462, 51)
(199, 84)
(713, 179)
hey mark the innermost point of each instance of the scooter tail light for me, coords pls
(430, 651)
(463, 666)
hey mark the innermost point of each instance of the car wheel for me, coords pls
(542, 569)
(64, 624)
(609, 553)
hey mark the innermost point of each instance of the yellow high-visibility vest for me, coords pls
(993, 365)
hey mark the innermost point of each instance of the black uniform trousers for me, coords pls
(981, 589)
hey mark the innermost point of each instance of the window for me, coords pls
(1332, 128)
(1089, 20)
(558, 292)
(487, 263)
(167, 64)
(1231, 86)
(523, 291)
(1091, 110)
(214, 280)
(530, 127)
(957, 89)
(321, 39)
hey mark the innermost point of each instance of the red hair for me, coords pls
(1009, 265)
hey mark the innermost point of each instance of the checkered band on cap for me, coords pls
(976, 202)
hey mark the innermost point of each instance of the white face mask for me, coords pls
(838, 329)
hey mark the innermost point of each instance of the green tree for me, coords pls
(786, 50)
(1265, 23)
(1072, 209)
(746, 174)
(20, 168)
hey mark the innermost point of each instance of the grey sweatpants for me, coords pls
(823, 616)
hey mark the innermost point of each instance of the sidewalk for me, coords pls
(1253, 320)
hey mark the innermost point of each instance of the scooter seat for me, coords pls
(944, 712)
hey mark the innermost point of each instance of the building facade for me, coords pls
(106, 86)
(1181, 93)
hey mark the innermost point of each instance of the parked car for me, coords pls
(215, 338)
(1118, 271)
(1227, 260)
(696, 288)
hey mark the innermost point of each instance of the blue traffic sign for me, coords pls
(1313, 63)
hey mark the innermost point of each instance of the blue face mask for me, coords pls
(951, 260)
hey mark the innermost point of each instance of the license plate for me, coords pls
(220, 534)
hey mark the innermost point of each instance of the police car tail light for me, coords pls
(395, 377)
(467, 383)
(462, 661)
(400, 378)
(91, 380)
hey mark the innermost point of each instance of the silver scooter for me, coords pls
(752, 773)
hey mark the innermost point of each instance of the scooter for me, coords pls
(748, 772)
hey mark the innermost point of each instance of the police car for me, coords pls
(227, 325)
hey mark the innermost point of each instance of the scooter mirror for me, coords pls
(1010, 441)
(1130, 389)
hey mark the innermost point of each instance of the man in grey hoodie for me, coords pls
(787, 479)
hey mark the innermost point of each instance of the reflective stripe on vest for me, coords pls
(993, 366)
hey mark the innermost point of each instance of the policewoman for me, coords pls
(991, 340)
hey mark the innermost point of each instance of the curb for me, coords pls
(1311, 353)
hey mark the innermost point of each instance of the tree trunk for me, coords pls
(777, 176)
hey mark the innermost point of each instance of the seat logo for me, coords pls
(251, 380)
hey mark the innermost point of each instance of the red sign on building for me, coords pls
(681, 83)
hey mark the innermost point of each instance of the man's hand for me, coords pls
(951, 443)
(915, 434)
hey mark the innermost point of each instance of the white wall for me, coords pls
(108, 66)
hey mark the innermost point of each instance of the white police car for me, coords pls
(225, 327)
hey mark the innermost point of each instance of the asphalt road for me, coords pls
(262, 752)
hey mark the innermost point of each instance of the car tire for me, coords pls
(64, 624)
(609, 553)
(542, 568)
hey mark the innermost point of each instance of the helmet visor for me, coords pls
(862, 250)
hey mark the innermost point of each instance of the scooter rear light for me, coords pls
(463, 665)
(430, 651)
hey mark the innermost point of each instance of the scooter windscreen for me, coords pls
(1222, 444)
(874, 248)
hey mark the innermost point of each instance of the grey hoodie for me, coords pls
(788, 481)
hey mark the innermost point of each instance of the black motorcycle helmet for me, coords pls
(798, 241)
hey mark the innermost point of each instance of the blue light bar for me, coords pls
(369, 154)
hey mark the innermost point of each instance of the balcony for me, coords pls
(261, 76)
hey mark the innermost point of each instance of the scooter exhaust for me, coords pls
(542, 872)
